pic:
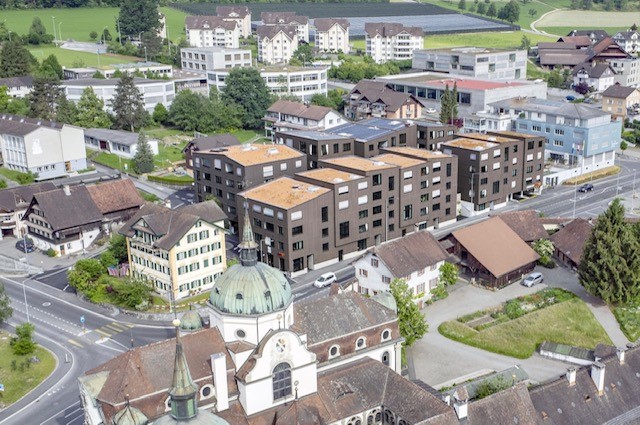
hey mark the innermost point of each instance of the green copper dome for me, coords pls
(130, 416)
(250, 287)
(191, 321)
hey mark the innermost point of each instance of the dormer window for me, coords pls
(334, 351)
(386, 334)
(361, 343)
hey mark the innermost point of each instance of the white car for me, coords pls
(325, 280)
(430, 110)
(532, 279)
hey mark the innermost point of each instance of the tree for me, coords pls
(482, 8)
(45, 98)
(127, 105)
(143, 159)
(246, 88)
(16, 60)
(610, 263)
(492, 12)
(106, 35)
(67, 111)
(93, 35)
(624, 145)
(38, 33)
(138, 16)
(153, 44)
(510, 12)
(98, 75)
(410, 321)
(582, 88)
(543, 247)
(23, 344)
(5, 305)
(160, 114)
(448, 274)
(462, 5)
(525, 44)
(533, 12)
(333, 99)
(118, 247)
(445, 105)
(50, 67)
(302, 56)
(186, 110)
(91, 113)
(634, 27)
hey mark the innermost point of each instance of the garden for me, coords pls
(518, 326)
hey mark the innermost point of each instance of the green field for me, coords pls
(73, 58)
(561, 31)
(78, 23)
(18, 383)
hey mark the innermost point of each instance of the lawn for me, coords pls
(17, 383)
(582, 18)
(76, 59)
(628, 316)
(77, 23)
(110, 160)
(569, 322)
(16, 176)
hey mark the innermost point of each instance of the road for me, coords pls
(56, 316)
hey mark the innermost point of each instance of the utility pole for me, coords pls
(24, 282)
(60, 32)
(53, 18)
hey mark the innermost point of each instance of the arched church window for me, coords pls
(385, 358)
(281, 381)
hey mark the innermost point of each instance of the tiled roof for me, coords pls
(618, 92)
(208, 23)
(325, 24)
(19, 197)
(578, 40)
(298, 109)
(526, 224)
(127, 138)
(116, 195)
(498, 248)
(17, 125)
(284, 193)
(510, 406)
(64, 211)
(228, 11)
(10, 82)
(390, 29)
(379, 92)
(283, 18)
(410, 254)
(571, 238)
(593, 70)
(270, 31)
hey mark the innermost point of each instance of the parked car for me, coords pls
(324, 280)
(571, 98)
(532, 279)
(587, 187)
(430, 110)
(25, 245)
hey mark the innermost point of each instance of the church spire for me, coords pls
(248, 246)
(183, 391)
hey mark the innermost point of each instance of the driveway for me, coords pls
(465, 362)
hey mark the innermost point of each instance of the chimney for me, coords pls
(571, 376)
(66, 189)
(461, 402)
(167, 203)
(620, 352)
(219, 370)
(597, 374)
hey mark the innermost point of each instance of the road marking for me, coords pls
(103, 333)
(77, 344)
(71, 413)
(122, 326)
(113, 328)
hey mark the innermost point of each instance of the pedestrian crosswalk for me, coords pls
(76, 343)
(108, 330)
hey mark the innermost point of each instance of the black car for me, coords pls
(586, 188)
(25, 246)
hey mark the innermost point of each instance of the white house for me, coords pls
(149, 69)
(17, 86)
(45, 148)
(387, 41)
(286, 115)
(241, 15)
(203, 59)
(276, 43)
(121, 143)
(599, 76)
(301, 23)
(207, 31)
(416, 258)
(332, 35)
(629, 40)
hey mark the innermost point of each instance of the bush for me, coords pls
(51, 252)
(439, 293)
(513, 309)
(492, 386)
(547, 262)
(23, 344)
(175, 180)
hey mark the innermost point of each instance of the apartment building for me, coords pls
(479, 62)
(620, 100)
(303, 82)
(276, 43)
(17, 86)
(203, 59)
(179, 252)
(241, 15)
(208, 31)
(301, 23)
(386, 41)
(629, 40)
(627, 71)
(493, 168)
(332, 35)
(432, 134)
(45, 148)
(372, 98)
(285, 115)
(14, 202)
(226, 171)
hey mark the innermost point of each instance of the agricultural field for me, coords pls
(561, 31)
(73, 58)
(582, 18)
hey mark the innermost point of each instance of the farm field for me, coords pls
(582, 18)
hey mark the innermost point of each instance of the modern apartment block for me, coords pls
(276, 43)
(431, 134)
(332, 35)
(149, 69)
(179, 252)
(203, 59)
(479, 62)
(241, 15)
(209, 31)
(493, 168)
(226, 171)
(627, 71)
(387, 41)
(300, 23)
(45, 148)
(286, 115)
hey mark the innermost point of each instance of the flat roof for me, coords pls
(471, 144)
(253, 154)
(467, 50)
(490, 138)
(358, 163)
(314, 135)
(399, 160)
(282, 68)
(284, 193)
(517, 134)
(330, 175)
(417, 152)
(85, 82)
(367, 130)
(462, 83)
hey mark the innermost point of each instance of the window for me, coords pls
(281, 381)
(408, 212)
(360, 343)
(344, 230)
(363, 272)
(297, 245)
(325, 214)
(377, 179)
(334, 351)
(385, 358)
(363, 214)
(386, 334)
(296, 230)
(325, 247)
(496, 187)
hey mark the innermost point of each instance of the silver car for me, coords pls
(532, 279)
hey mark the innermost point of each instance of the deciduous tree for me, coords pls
(128, 106)
(143, 159)
(23, 344)
(448, 274)
(5, 305)
(246, 88)
(91, 113)
(160, 114)
(138, 16)
(492, 11)
(411, 322)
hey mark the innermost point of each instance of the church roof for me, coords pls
(130, 416)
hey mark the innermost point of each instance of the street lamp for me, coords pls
(60, 32)
(24, 282)
(53, 18)
(145, 54)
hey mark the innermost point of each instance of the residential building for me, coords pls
(179, 252)
(276, 43)
(207, 143)
(119, 142)
(153, 91)
(45, 148)
(70, 219)
(629, 40)
(299, 81)
(149, 69)
(576, 133)
(332, 35)
(209, 31)
(620, 100)
(286, 115)
(598, 77)
(493, 254)
(593, 36)
(316, 144)
(386, 41)
(14, 203)
(378, 99)
(479, 62)
(416, 259)
(241, 15)
(225, 172)
(203, 59)
(494, 168)
(432, 134)
(627, 71)
(301, 23)
(572, 51)
(17, 86)
(569, 241)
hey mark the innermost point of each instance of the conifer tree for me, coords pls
(143, 159)
(128, 106)
(45, 98)
(445, 102)
(15, 60)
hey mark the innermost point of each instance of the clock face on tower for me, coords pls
(280, 345)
